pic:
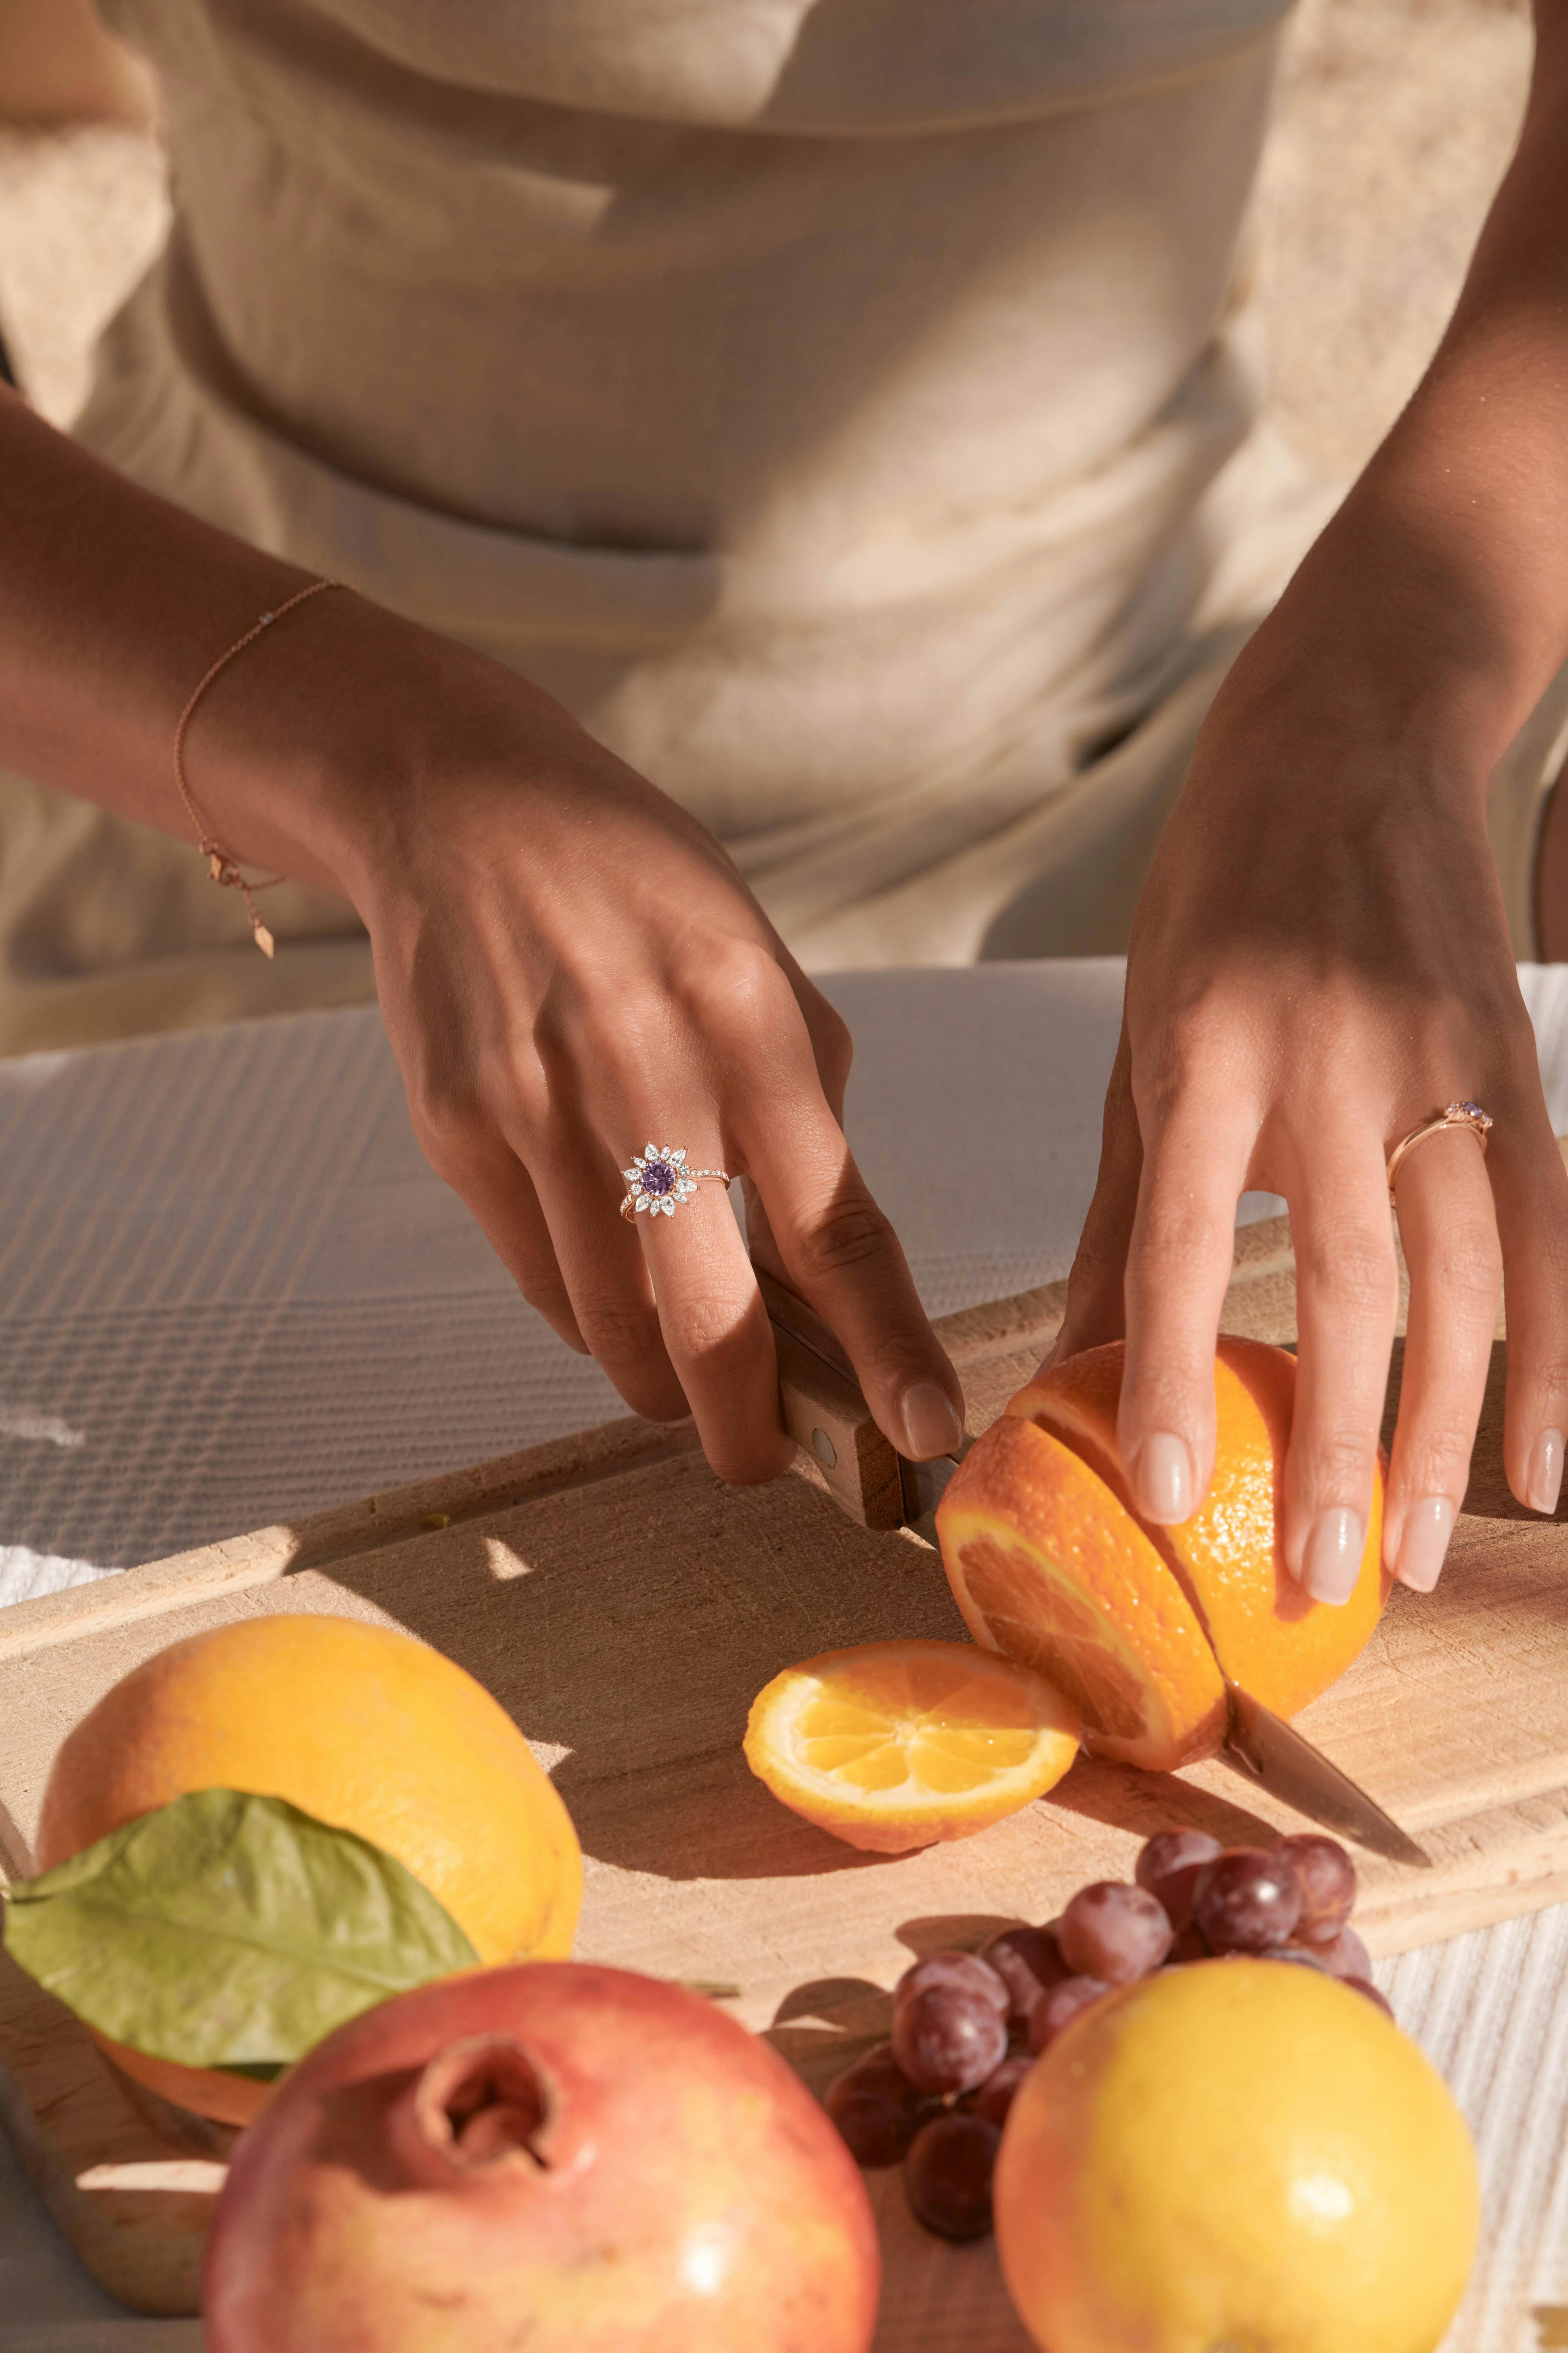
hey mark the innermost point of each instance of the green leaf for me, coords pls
(227, 1930)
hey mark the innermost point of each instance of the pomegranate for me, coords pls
(576, 2158)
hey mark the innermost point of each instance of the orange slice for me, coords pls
(1047, 1566)
(897, 1744)
(1269, 1636)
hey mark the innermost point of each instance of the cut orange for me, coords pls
(897, 1744)
(1268, 1635)
(1050, 1569)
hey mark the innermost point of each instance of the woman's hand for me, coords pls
(570, 968)
(1321, 962)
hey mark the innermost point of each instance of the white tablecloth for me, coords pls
(230, 1291)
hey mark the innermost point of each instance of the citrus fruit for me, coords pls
(363, 1728)
(1043, 1560)
(1268, 1635)
(1239, 2155)
(1050, 1568)
(897, 1744)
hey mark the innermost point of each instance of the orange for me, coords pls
(1054, 1568)
(359, 1726)
(1242, 2155)
(897, 1744)
(1267, 1634)
(1047, 1568)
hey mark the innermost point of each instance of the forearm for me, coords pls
(113, 604)
(1442, 583)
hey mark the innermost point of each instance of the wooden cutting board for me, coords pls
(626, 1608)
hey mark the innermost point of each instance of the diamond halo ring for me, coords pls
(660, 1181)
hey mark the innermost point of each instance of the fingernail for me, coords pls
(931, 1423)
(1543, 1482)
(1162, 1479)
(1331, 1562)
(1424, 1542)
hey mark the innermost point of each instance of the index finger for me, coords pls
(1178, 1260)
(839, 1251)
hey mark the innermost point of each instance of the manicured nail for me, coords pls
(1424, 1542)
(1543, 1482)
(931, 1425)
(1162, 1479)
(1331, 1562)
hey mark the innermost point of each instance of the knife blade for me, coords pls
(827, 1415)
(1262, 1747)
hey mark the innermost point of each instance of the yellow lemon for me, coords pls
(897, 1744)
(1238, 2157)
(359, 1726)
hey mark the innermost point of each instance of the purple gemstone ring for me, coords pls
(1458, 1115)
(660, 1181)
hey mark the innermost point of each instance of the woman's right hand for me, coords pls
(570, 968)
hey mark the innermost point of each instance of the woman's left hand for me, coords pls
(1320, 963)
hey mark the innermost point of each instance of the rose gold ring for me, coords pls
(1458, 1115)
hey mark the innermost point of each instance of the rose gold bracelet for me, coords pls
(220, 865)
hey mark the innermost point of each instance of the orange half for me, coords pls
(1050, 1569)
(1268, 1635)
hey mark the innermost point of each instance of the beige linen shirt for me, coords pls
(846, 408)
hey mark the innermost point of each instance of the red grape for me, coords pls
(968, 1972)
(1344, 1956)
(994, 2096)
(947, 2175)
(1060, 2007)
(1114, 1932)
(1246, 1898)
(1029, 1962)
(876, 2108)
(1365, 1985)
(1191, 1945)
(1302, 1955)
(1168, 1867)
(1327, 1878)
(948, 2038)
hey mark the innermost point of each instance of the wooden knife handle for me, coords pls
(827, 1416)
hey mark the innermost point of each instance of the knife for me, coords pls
(827, 1416)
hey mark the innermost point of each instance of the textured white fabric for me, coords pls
(232, 1289)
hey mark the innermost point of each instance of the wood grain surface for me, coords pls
(626, 1608)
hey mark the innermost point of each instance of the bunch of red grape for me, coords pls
(967, 2027)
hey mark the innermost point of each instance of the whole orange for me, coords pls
(1240, 2153)
(361, 1726)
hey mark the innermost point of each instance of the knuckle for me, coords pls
(453, 1130)
(703, 1324)
(1543, 1375)
(1178, 1238)
(617, 1330)
(848, 1234)
(1434, 1457)
(1337, 1464)
(545, 1292)
(1469, 1268)
(1355, 1266)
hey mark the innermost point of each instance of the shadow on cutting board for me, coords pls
(638, 1653)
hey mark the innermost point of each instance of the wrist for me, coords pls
(322, 741)
(1378, 669)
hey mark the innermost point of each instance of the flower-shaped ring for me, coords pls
(660, 1181)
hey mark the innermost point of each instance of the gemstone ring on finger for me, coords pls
(660, 1182)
